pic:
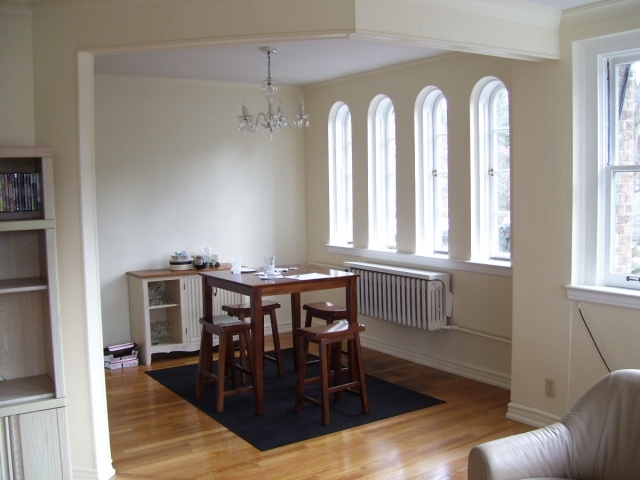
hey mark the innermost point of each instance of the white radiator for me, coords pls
(225, 297)
(411, 297)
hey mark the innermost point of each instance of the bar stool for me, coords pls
(243, 310)
(326, 311)
(328, 337)
(225, 328)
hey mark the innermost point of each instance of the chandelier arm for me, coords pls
(272, 120)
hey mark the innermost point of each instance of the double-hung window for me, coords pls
(340, 175)
(382, 174)
(621, 171)
(606, 214)
(432, 173)
(492, 171)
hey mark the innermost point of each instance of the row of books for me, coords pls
(19, 192)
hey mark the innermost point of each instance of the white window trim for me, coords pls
(378, 200)
(480, 246)
(586, 276)
(339, 217)
(425, 146)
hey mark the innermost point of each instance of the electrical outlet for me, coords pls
(550, 387)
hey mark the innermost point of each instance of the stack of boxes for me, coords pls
(121, 356)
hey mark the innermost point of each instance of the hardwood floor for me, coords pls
(157, 435)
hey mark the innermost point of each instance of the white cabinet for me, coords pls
(32, 392)
(165, 307)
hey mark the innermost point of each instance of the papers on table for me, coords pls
(308, 276)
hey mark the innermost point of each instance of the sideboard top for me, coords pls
(165, 272)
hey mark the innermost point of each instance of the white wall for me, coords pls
(16, 76)
(173, 173)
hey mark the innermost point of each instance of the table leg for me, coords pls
(351, 294)
(257, 328)
(207, 298)
(351, 298)
(295, 324)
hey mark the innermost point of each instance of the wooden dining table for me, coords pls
(296, 280)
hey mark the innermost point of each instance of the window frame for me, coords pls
(340, 175)
(382, 174)
(428, 206)
(485, 244)
(590, 100)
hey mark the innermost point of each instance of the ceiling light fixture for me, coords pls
(273, 119)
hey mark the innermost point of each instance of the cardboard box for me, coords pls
(113, 363)
(121, 350)
(121, 356)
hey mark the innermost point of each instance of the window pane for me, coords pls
(628, 103)
(441, 180)
(382, 209)
(499, 182)
(390, 159)
(501, 109)
(441, 239)
(348, 180)
(503, 191)
(626, 223)
(503, 155)
(624, 211)
(341, 179)
(504, 233)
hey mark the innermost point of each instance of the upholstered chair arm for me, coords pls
(542, 453)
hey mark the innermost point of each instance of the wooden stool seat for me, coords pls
(243, 310)
(327, 337)
(326, 311)
(225, 327)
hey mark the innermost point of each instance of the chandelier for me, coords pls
(273, 119)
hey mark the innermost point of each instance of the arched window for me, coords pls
(382, 174)
(492, 171)
(340, 175)
(432, 172)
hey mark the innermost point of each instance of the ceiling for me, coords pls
(296, 63)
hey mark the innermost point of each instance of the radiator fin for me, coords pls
(413, 298)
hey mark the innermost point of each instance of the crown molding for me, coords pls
(600, 11)
(513, 10)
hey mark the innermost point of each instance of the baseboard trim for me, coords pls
(468, 371)
(530, 416)
(92, 474)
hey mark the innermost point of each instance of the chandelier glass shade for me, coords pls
(274, 118)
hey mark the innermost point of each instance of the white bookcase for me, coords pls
(33, 438)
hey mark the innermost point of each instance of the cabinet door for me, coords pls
(192, 307)
(34, 446)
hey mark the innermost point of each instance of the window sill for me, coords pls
(420, 261)
(617, 297)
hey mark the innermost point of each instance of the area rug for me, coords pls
(279, 425)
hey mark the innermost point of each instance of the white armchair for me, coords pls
(598, 439)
